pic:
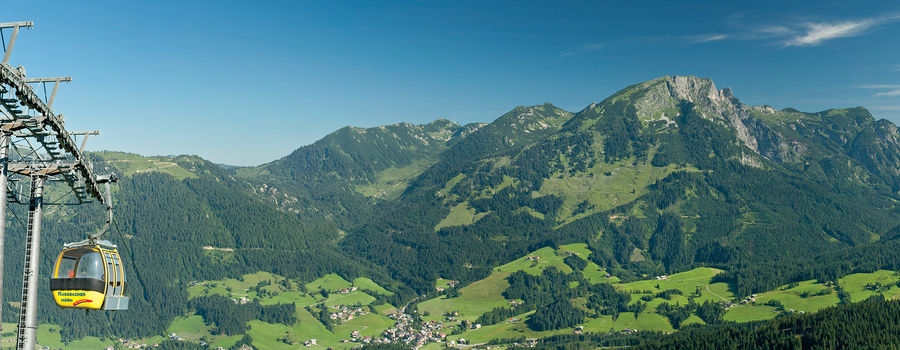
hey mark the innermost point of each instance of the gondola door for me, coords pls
(115, 284)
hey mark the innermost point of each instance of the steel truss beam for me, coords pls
(34, 143)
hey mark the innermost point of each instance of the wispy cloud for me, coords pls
(817, 33)
(766, 32)
(705, 38)
(891, 89)
(584, 49)
(795, 33)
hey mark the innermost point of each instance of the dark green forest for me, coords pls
(770, 197)
(871, 324)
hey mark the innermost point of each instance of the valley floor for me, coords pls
(357, 313)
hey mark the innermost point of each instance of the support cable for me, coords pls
(137, 272)
(62, 198)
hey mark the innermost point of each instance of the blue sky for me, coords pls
(247, 82)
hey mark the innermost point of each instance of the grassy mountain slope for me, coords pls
(175, 224)
(661, 176)
(340, 176)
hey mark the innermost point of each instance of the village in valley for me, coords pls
(336, 313)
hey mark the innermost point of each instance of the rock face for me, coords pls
(693, 174)
(781, 136)
(714, 104)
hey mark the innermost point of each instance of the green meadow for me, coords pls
(276, 289)
(481, 296)
(473, 301)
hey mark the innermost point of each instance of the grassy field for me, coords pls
(330, 282)
(474, 299)
(460, 215)
(367, 284)
(384, 309)
(482, 296)
(191, 327)
(746, 313)
(267, 335)
(546, 257)
(368, 325)
(623, 184)
(390, 182)
(280, 290)
(644, 321)
(231, 287)
(442, 283)
(445, 192)
(296, 297)
(793, 298)
(224, 341)
(855, 285)
(48, 335)
(516, 329)
(8, 337)
(349, 299)
(694, 319)
(308, 327)
(131, 164)
(687, 282)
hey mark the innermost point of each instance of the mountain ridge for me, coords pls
(654, 179)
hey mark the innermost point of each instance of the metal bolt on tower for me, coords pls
(35, 145)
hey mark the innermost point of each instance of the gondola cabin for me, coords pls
(89, 276)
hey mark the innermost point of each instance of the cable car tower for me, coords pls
(35, 145)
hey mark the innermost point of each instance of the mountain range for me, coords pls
(661, 177)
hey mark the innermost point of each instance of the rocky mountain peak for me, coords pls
(693, 89)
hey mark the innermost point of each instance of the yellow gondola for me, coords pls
(89, 276)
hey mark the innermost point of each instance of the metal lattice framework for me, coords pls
(40, 141)
(35, 145)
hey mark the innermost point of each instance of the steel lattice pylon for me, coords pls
(35, 144)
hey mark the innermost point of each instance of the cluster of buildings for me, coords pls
(348, 290)
(345, 313)
(749, 300)
(450, 284)
(404, 332)
(130, 344)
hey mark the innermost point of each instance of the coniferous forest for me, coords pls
(784, 197)
(871, 324)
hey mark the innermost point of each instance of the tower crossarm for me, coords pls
(50, 128)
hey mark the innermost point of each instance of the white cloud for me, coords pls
(769, 32)
(892, 89)
(705, 38)
(800, 33)
(895, 92)
(880, 86)
(817, 33)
